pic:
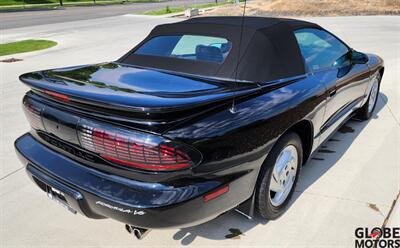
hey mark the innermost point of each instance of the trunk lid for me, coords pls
(122, 88)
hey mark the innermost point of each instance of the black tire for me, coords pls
(263, 205)
(363, 113)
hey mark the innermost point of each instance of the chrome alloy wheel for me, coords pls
(283, 175)
(373, 95)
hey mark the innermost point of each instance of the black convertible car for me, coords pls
(203, 116)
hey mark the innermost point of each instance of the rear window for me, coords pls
(192, 47)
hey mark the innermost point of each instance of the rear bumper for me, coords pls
(148, 205)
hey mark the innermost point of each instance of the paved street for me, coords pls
(40, 17)
(352, 182)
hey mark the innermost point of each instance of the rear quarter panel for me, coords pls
(237, 141)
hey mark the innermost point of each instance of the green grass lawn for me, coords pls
(166, 10)
(169, 10)
(25, 46)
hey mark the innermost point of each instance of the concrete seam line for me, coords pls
(391, 210)
(11, 173)
(386, 220)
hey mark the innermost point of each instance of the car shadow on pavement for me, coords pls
(333, 149)
(232, 225)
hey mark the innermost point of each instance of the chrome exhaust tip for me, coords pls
(138, 232)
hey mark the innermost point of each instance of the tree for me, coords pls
(61, 2)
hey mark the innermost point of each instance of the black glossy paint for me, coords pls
(132, 88)
(233, 126)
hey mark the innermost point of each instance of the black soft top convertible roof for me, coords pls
(268, 51)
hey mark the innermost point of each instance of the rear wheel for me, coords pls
(365, 112)
(278, 176)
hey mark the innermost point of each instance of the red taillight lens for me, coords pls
(33, 114)
(57, 96)
(134, 149)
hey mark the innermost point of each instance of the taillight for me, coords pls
(135, 149)
(33, 114)
(57, 96)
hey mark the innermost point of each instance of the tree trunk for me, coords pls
(61, 2)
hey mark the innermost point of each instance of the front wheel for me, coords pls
(278, 176)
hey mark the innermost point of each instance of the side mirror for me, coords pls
(358, 57)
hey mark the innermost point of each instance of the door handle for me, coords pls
(332, 92)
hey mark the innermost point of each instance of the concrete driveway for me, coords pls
(352, 182)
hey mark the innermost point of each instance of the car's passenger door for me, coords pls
(329, 59)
